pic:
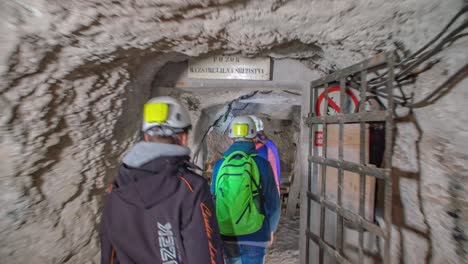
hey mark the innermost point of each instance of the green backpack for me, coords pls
(238, 195)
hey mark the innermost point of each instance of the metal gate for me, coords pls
(314, 196)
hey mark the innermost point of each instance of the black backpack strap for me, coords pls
(259, 185)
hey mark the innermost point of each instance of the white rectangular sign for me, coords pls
(229, 67)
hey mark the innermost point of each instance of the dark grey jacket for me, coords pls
(159, 211)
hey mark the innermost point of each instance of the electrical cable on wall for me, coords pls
(407, 67)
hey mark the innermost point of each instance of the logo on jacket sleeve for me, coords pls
(167, 245)
(206, 212)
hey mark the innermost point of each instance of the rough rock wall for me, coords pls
(74, 74)
(430, 170)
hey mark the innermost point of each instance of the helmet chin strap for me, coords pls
(165, 131)
(162, 131)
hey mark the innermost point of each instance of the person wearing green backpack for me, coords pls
(247, 202)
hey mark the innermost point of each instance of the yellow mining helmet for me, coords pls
(155, 112)
(165, 112)
(240, 130)
(242, 127)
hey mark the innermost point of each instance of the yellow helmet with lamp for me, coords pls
(165, 116)
(242, 127)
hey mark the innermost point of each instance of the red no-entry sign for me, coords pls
(334, 105)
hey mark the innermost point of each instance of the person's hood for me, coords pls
(150, 173)
(143, 152)
(245, 146)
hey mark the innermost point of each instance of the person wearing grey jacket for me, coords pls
(158, 210)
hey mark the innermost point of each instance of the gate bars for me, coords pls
(359, 71)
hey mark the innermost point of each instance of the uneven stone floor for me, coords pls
(285, 249)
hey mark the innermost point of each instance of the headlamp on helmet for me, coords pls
(167, 114)
(155, 112)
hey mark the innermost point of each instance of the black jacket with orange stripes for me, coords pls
(159, 211)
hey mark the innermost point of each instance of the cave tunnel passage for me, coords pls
(279, 126)
(213, 103)
(208, 99)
